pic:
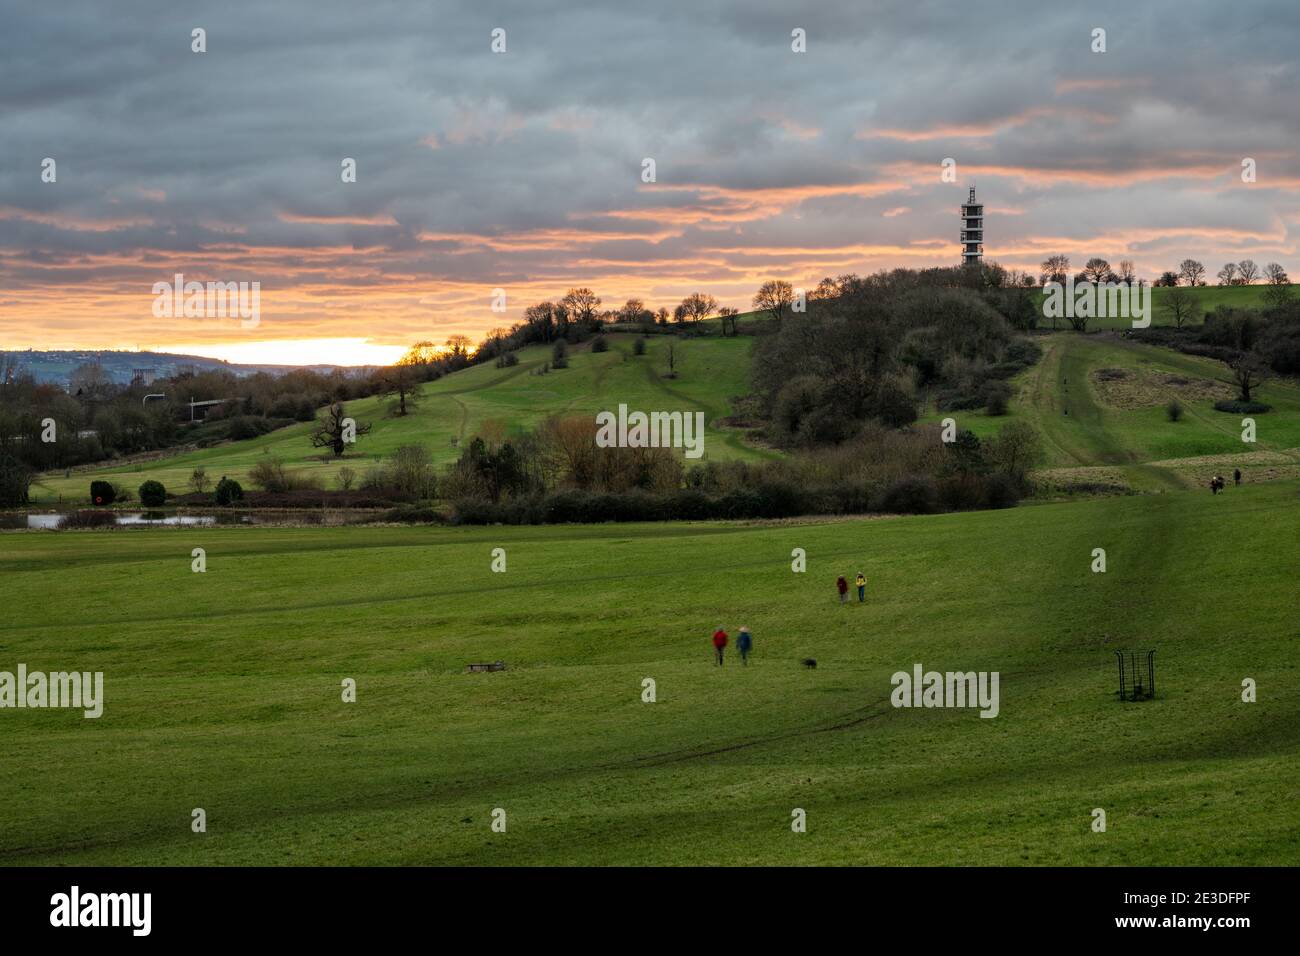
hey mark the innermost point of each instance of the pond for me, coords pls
(51, 520)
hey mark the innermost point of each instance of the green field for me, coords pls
(223, 691)
(1207, 299)
(711, 373)
(1084, 427)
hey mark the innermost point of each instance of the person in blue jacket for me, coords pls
(744, 644)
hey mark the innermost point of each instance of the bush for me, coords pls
(153, 494)
(269, 474)
(120, 493)
(598, 344)
(413, 514)
(1001, 491)
(638, 347)
(910, 496)
(228, 491)
(1237, 407)
(101, 493)
(1174, 410)
(995, 395)
(507, 360)
(560, 354)
(15, 480)
(247, 426)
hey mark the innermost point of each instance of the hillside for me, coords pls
(1099, 402)
(226, 695)
(712, 372)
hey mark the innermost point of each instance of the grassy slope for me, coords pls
(711, 373)
(1207, 299)
(223, 691)
(1095, 434)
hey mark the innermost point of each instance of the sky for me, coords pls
(523, 170)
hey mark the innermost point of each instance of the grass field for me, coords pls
(1088, 423)
(712, 372)
(1207, 299)
(223, 691)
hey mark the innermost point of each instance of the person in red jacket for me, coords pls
(719, 642)
(843, 587)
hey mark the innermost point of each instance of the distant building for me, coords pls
(143, 376)
(972, 230)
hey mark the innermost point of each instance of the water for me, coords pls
(137, 518)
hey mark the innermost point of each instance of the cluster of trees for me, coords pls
(1190, 273)
(558, 474)
(870, 349)
(1056, 268)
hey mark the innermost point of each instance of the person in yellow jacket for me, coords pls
(862, 587)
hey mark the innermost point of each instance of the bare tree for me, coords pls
(1192, 271)
(696, 307)
(583, 305)
(774, 297)
(403, 378)
(1127, 272)
(1228, 274)
(1055, 269)
(728, 316)
(334, 429)
(1249, 372)
(1097, 269)
(1248, 271)
(1278, 292)
(1180, 305)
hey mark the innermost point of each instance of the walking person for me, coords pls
(1236, 476)
(719, 643)
(744, 644)
(862, 587)
(843, 587)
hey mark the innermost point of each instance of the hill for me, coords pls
(712, 372)
(1100, 403)
(223, 692)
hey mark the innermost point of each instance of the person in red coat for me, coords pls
(843, 587)
(719, 642)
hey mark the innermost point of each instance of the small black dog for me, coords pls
(809, 662)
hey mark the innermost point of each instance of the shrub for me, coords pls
(598, 344)
(507, 360)
(101, 493)
(910, 495)
(153, 494)
(1237, 407)
(15, 480)
(413, 514)
(120, 493)
(247, 426)
(1001, 491)
(269, 474)
(228, 491)
(560, 354)
(346, 477)
(1174, 410)
(638, 347)
(996, 395)
(199, 480)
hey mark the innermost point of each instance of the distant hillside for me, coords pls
(711, 373)
(56, 365)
